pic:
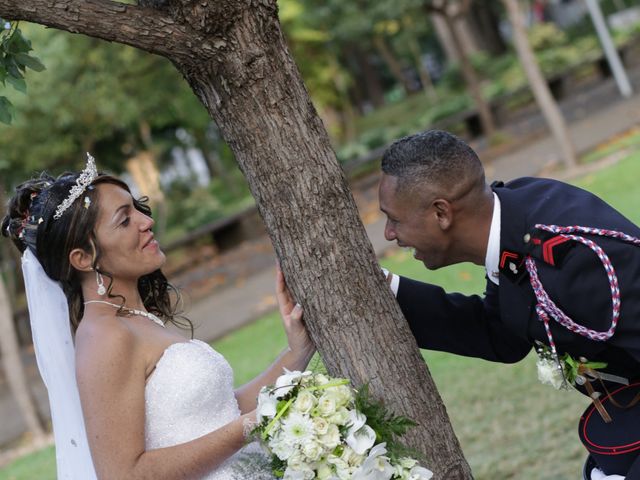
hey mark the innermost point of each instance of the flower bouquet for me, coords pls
(319, 427)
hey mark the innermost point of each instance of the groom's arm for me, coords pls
(456, 323)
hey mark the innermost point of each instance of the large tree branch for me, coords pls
(149, 29)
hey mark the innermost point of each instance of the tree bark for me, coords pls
(242, 71)
(14, 370)
(539, 86)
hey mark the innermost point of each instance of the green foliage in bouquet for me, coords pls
(386, 424)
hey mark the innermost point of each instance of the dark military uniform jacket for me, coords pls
(502, 325)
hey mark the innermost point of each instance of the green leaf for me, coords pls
(5, 110)
(30, 62)
(18, 83)
(17, 43)
(13, 69)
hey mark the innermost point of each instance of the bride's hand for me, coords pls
(299, 342)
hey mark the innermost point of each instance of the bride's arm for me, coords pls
(111, 383)
(295, 357)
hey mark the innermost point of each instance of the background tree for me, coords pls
(15, 57)
(450, 11)
(11, 359)
(233, 55)
(539, 86)
(484, 17)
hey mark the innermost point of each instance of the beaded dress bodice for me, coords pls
(189, 394)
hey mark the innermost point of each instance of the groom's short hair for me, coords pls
(436, 160)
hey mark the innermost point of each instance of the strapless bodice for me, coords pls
(189, 394)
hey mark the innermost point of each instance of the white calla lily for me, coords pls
(376, 466)
(360, 436)
(420, 473)
(287, 381)
(267, 403)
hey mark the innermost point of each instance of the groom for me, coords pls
(436, 200)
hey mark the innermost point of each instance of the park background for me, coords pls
(374, 74)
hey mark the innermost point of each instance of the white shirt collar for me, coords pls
(493, 245)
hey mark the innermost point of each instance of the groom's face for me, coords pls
(412, 222)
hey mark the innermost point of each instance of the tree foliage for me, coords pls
(14, 61)
(96, 96)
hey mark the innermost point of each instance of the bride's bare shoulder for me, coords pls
(104, 339)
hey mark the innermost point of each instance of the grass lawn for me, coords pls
(509, 425)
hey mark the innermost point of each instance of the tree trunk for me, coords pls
(485, 22)
(539, 86)
(346, 113)
(14, 370)
(444, 38)
(423, 72)
(392, 62)
(471, 78)
(367, 75)
(10, 352)
(236, 60)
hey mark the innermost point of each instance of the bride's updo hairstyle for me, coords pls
(30, 223)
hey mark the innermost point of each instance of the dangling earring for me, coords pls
(101, 289)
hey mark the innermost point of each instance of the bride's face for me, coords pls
(128, 249)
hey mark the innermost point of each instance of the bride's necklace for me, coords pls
(131, 311)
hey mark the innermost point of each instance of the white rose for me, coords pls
(312, 450)
(549, 373)
(320, 379)
(340, 417)
(342, 394)
(326, 405)
(351, 457)
(304, 402)
(331, 439)
(320, 424)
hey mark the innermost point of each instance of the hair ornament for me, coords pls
(88, 175)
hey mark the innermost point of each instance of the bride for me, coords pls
(133, 399)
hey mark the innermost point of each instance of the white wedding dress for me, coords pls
(189, 394)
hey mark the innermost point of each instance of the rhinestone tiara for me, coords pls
(88, 175)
